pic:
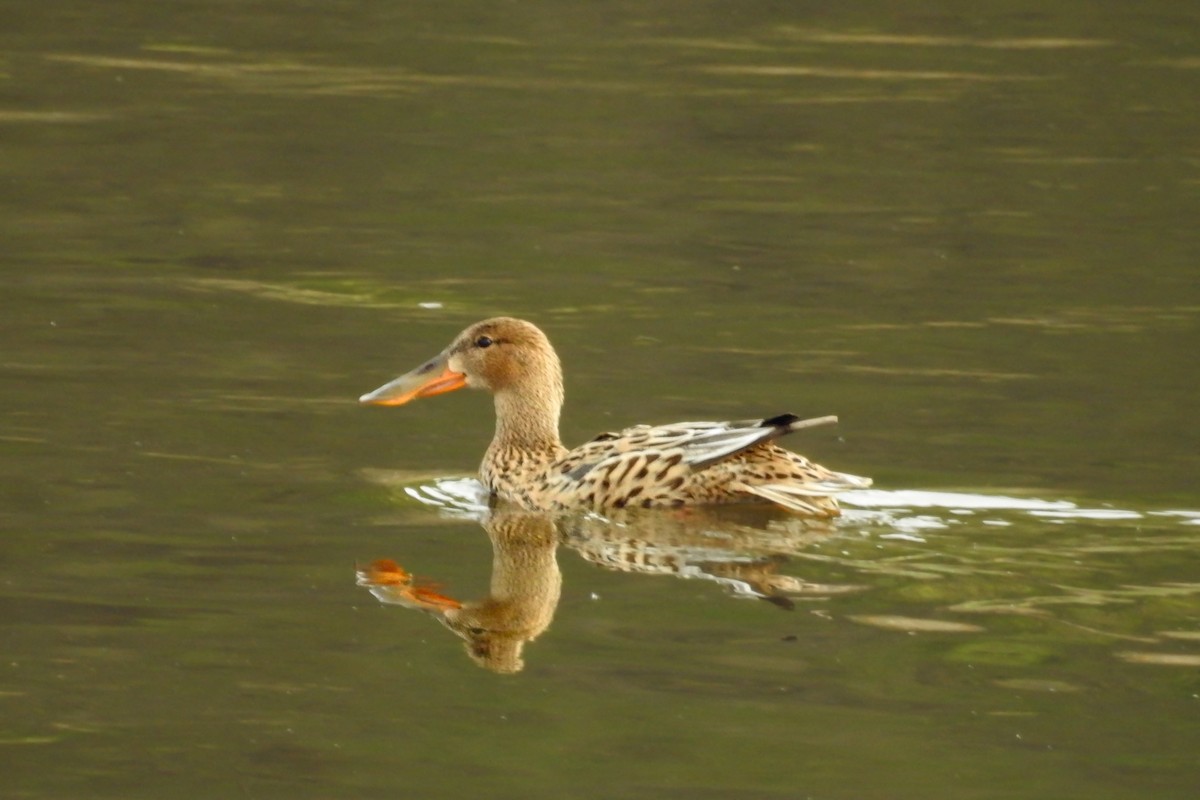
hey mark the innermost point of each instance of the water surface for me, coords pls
(971, 236)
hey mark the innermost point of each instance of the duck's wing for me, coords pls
(691, 445)
(706, 443)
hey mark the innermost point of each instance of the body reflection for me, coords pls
(526, 584)
(740, 547)
(742, 550)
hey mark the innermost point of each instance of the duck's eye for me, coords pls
(483, 341)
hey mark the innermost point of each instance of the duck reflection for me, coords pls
(526, 584)
(742, 551)
(739, 547)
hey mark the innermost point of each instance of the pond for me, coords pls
(969, 234)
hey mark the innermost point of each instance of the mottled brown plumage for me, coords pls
(644, 466)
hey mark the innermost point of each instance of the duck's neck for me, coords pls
(527, 422)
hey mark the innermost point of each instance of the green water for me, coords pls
(970, 233)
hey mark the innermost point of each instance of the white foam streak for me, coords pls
(958, 501)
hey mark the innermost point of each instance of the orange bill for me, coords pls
(432, 377)
(383, 572)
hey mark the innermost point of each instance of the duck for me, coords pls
(644, 466)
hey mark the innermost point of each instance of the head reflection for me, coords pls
(525, 587)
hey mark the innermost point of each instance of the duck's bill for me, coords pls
(434, 377)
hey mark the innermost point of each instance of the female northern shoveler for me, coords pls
(645, 466)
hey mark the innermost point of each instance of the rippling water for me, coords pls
(969, 235)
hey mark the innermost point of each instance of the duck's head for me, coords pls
(503, 355)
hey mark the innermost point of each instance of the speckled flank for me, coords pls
(653, 467)
(640, 467)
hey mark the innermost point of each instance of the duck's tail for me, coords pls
(809, 497)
